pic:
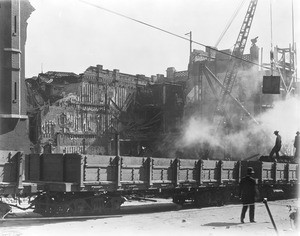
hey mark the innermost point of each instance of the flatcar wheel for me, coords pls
(202, 199)
(4, 209)
(69, 210)
(97, 205)
(197, 202)
(81, 207)
(178, 199)
(207, 198)
(116, 202)
(220, 199)
(62, 209)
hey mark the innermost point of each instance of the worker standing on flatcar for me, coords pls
(297, 145)
(277, 145)
(247, 193)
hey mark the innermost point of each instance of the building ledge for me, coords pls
(12, 50)
(13, 116)
(12, 68)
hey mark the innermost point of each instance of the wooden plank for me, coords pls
(53, 167)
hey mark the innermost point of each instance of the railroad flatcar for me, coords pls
(77, 184)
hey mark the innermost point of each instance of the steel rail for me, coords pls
(56, 218)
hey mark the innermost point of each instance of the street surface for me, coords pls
(210, 221)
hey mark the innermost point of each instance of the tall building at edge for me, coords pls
(13, 119)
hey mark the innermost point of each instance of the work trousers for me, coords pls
(276, 151)
(251, 211)
(297, 153)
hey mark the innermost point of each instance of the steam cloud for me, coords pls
(253, 139)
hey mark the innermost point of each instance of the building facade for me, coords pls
(72, 113)
(13, 118)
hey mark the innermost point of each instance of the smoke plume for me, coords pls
(252, 138)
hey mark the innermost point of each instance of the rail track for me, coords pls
(56, 218)
(135, 207)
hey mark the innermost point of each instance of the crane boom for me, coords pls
(238, 51)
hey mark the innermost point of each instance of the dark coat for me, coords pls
(297, 145)
(247, 190)
(277, 145)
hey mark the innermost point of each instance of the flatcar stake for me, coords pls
(271, 217)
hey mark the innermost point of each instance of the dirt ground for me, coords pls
(210, 221)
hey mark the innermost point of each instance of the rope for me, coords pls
(230, 22)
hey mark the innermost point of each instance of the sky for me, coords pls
(70, 35)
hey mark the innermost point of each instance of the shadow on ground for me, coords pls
(222, 224)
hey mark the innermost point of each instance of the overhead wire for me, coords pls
(171, 33)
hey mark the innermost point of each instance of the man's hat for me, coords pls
(250, 171)
(297, 132)
(276, 132)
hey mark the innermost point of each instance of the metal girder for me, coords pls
(238, 51)
(230, 95)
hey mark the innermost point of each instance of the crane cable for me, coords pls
(176, 35)
(271, 52)
(293, 39)
(230, 22)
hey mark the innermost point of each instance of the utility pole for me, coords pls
(190, 59)
(191, 42)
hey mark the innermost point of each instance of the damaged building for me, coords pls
(72, 113)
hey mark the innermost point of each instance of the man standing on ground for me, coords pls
(277, 145)
(247, 192)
